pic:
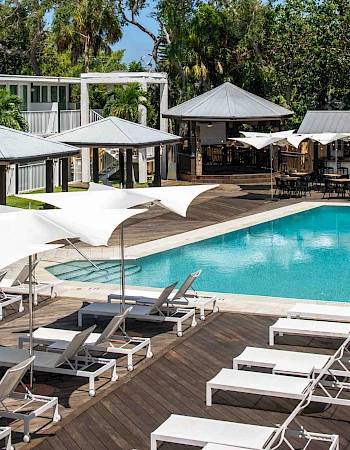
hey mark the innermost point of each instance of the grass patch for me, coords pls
(24, 203)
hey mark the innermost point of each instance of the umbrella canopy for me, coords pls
(259, 142)
(96, 200)
(11, 253)
(115, 132)
(174, 198)
(40, 227)
(17, 146)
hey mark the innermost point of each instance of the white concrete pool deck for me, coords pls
(228, 302)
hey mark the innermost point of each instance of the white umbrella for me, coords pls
(23, 233)
(174, 198)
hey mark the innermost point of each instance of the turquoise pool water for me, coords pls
(304, 256)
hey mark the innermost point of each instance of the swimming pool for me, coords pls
(304, 255)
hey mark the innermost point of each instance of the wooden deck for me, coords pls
(174, 382)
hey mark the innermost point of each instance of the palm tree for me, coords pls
(85, 25)
(123, 102)
(11, 111)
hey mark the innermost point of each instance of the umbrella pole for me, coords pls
(122, 258)
(271, 173)
(30, 300)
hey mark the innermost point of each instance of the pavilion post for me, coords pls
(271, 170)
(49, 180)
(157, 175)
(64, 171)
(95, 168)
(121, 168)
(129, 181)
(2, 184)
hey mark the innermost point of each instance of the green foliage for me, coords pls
(24, 203)
(10, 111)
(84, 26)
(123, 102)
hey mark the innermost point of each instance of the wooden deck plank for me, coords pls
(175, 383)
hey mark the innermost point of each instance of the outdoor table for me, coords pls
(299, 174)
(333, 175)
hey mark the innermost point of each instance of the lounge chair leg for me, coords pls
(20, 306)
(149, 353)
(179, 328)
(26, 435)
(114, 374)
(130, 364)
(8, 445)
(92, 391)
(80, 319)
(208, 396)
(35, 298)
(202, 315)
(154, 444)
(56, 416)
(272, 337)
(193, 323)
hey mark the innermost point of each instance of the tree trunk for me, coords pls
(86, 54)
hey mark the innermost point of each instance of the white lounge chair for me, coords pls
(20, 285)
(180, 298)
(281, 361)
(314, 328)
(5, 433)
(25, 407)
(153, 313)
(105, 342)
(319, 312)
(67, 362)
(220, 435)
(285, 386)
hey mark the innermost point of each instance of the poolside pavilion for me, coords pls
(17, 147)
(208, 121)
(121, 136)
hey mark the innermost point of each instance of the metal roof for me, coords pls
(325, 122)
(114, 132)
(17, 146)
(38, 79)
(227, 102)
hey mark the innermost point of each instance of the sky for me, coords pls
(135, 42)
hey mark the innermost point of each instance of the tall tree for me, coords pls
(84, 26)
(22, 29)
(11, 111)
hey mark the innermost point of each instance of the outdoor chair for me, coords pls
(5, 433)
(182, 297)
(67, 362)
(213, 434)
(330, 387)
(106, 342)
(28, 406)
(157, 312)
(313, 328)
(20, 285)
(319, 312)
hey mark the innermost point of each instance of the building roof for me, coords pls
(325, 122)
(228, 102)
(17, 146)
(115, 132)
(38, 79)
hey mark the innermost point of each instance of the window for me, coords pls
(346, 149)
(14, 89)
(23, 93)
(44, 94)
(54, 93)
(36, 94)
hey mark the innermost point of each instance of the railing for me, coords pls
(69, 119)
(46, 122)
(41, 122)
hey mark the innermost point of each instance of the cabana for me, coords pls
(209, 120)
(18, 147)
(118, 133)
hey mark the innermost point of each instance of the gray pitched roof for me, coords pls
(227, 102)
(325, 122)
(114, 132)
(17, 146)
